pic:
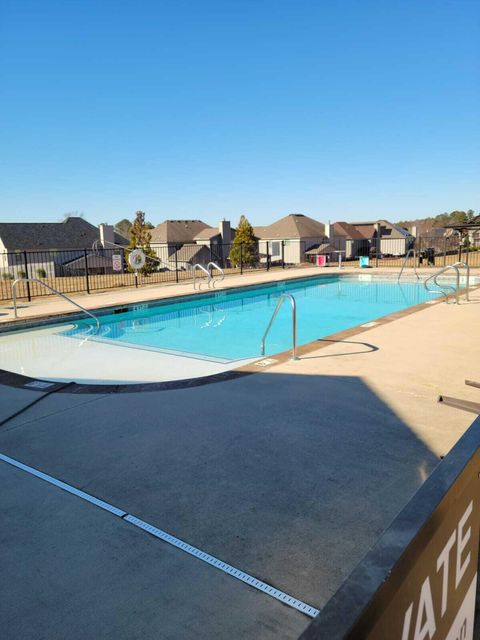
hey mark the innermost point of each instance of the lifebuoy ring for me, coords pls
(136, 259)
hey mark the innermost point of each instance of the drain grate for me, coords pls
(226, 568)
(290, 601)
(38, 384)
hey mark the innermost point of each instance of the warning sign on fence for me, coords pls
(117, 262)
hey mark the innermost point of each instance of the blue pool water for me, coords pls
(229, 325)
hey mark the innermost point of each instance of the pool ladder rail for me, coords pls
(56, 291)
(281, 300)
(208, 272)
(445, 289)
(407, 255)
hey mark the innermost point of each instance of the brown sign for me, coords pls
(430, 594)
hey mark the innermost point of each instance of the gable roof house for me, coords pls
(36, 248)
(297, 232)
(170, 235)
(346, 238)
(175, 242)
(388, 238)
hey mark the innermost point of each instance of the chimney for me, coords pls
(107, 236)
(328, 230)
(225, 231)
(413, 231)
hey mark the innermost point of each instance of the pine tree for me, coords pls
(140, 237)
(244, 246)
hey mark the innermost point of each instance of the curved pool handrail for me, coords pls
(443, 288)
(283, 297)
(458, 264)
(53, 290)
(215, 266)
(202, 268)
(407, 255)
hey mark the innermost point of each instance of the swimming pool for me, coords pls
(221, 329)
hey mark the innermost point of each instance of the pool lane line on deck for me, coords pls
(248, 579)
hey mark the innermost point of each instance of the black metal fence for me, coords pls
(87, 270)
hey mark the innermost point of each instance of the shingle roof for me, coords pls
(295, 225)
(207, 234)
(72, 233)
(320, 248)
(189, 253)
(94, 261)
(387, 229)
(177, 231)
(346, 230)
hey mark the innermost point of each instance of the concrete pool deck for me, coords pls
(289, 474)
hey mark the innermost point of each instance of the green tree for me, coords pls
(140, 237)
(244, 246)
(123, 228)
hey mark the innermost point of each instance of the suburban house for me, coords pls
(387, 238)
(295, 234)
(347, 239)
(170, 235)
(174, 242)
(46, 249)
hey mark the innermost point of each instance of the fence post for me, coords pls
(176, 265)
(444, 252)
(268, 258)
(25, 262)
(241, 259)
(377, 247)
(283, 254)
(87, 283)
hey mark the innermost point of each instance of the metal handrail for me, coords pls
(212, 279)
(294, 324)
(460, 263)
(202, 268)
(407, 255)
(442, 287)
(59, 293)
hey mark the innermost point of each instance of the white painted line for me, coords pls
(176, 542)
(226, 568)
(64, 486)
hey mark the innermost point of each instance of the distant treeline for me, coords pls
(441, 220)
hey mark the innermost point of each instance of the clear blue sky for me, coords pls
(209, 109)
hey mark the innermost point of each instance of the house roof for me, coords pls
(320, 248)
(189, 253)
(346, 230)
(72, 233)
(295, 225)
(94, 261)
(207, 234)
(387, 229)
(177, 231)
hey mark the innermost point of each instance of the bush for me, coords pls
(22, 274)
(7, 276)
(41, 273)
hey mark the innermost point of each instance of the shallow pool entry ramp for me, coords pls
(420, 579)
